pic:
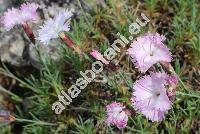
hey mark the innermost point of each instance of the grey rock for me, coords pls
(4, 4)
(44, 51)
(11, 43)
(11, 49)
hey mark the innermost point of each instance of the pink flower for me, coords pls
(154, 115)
(98, 56)
(150, 96)
(172, 82)
(148, 50)
(13, 16)
(28, 12)
(116, 115)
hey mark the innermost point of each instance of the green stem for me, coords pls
(127, 82)
(79, 3)
(185, 94)
(17, 98)
(6, 72)
(36, 122)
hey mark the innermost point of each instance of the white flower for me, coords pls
(53, 27)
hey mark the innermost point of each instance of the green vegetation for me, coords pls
(35, 92)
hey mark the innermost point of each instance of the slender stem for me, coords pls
(182, 84)
(79, 3)
(10, 93)
(79, 108)
(9, 74)
(127, 82)
(190, 95)
(36, 122)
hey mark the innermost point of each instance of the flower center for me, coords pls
(157, 93)
(151, 54)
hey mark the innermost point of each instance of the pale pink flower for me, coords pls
(28, 12)
(154, 115)
(150, 95)
(116, 115)
(172, 80)
(13, 16)
(97, 55)
(171, 83)
(148, 50)
(53, 27)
